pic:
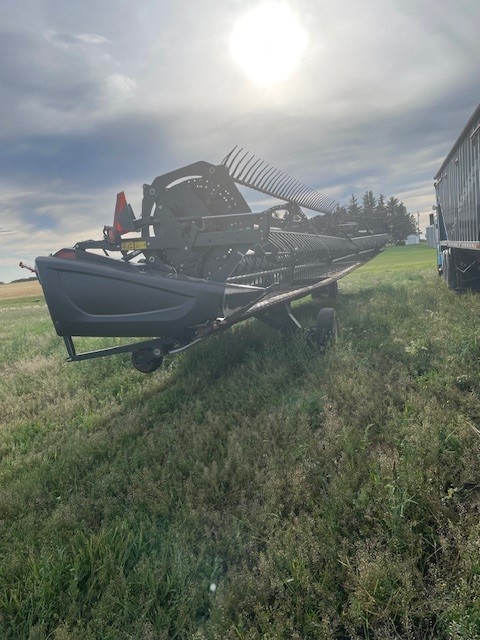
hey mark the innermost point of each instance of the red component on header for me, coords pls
(66, 254)
(123, 220)
(121, 202)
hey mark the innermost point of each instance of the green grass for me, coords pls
(332, 496)
(399, 258)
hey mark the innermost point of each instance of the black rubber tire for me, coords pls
(145, 361)
(326, 328)
(449, 270)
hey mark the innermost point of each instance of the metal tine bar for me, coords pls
(291, 189)
(307, 203)
(313, 203)
(319, 200)
(277, 175)
(298, 186)
(277, 182)
(326, 201)
(287, 241)
(259, 176)
(266, 178)
(246, 168)
(269, 180)
(252, 170)
(283, 184)
(232, 160)
(304, 194)
(227, 157)
(281, 242)
(239, 163)
(310, 200)
(250, 179)
(297, 190)
(306, 191)
(327, 204)
(316, 199)
(288, 186)
(246, 162)
(274, 240)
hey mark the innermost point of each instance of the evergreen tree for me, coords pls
(369, 204)
(401, 224)
(353, 208)
(380, 207)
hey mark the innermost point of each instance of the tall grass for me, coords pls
(251, 488)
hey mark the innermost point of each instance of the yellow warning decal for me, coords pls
(133, 245)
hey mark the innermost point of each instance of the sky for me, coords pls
(100, 97)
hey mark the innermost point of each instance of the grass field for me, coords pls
(251, 488)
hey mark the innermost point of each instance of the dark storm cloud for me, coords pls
(120, 151)
(39, 81)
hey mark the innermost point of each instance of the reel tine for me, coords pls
(291, 189)
(227, 157)
(251, 170)
(287, 185)
(235, 171)
(302, 195)
(311, 201)
(258, 172)
(267, 177)
(259, 177)
(297, 190)
(273, 182)
(273, 179)
(279, 187)
(245, 168)
(230, 164)
(283, 183)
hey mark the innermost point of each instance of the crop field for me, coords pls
(15, 290)
(251, 488)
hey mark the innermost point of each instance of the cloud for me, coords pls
(57, 83)
(120, 85)
(94, 99)
(66, 41)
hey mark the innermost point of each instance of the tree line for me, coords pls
(391, 212)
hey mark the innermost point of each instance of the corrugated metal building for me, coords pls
(431, 236)
(413, 238)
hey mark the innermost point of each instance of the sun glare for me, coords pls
(268, 43)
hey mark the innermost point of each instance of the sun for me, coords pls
(267, 43)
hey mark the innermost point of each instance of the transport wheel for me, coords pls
(326, 329)
(146, 360)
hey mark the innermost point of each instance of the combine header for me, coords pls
(201, 261)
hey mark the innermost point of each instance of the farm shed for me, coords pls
(413, 238)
